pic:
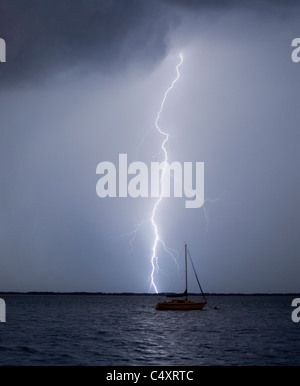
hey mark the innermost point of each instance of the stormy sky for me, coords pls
(83, 82)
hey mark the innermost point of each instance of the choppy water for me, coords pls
(127, 330)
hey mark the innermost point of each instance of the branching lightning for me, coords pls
(154, 258)
(152, 220)
(133, 234)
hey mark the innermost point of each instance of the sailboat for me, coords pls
(183, 304)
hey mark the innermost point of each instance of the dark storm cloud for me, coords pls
(47, 36)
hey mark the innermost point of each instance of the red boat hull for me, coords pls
(180, 305)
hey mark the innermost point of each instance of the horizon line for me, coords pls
(145, 293)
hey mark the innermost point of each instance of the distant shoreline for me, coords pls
(142, 293)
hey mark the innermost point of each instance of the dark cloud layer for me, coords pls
(51, 36)
(46, 37)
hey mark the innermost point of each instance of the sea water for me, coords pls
(119, 330)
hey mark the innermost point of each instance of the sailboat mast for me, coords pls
(186, 286)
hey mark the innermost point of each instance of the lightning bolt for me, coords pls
(154, 257)
(152, 219)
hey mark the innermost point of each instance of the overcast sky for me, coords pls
(83, 82)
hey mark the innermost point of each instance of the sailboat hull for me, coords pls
(180, 305)
(184, 305)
